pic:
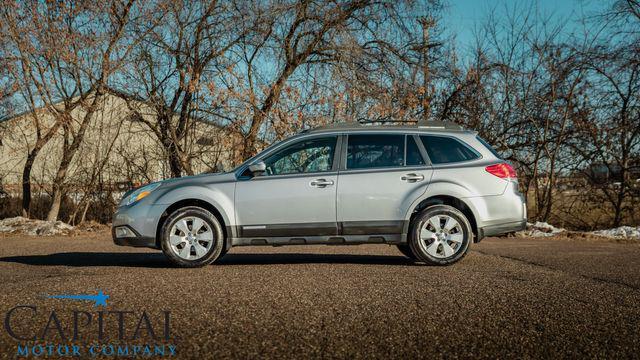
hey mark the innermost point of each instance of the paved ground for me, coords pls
(511, 297)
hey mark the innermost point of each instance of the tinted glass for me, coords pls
(489, 147)
(442, 150)
(315, 155)
(413, 153)
(375, 151)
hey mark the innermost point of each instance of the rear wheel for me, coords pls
(440, 235)
(192, 237)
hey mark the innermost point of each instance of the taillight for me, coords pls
(502, 170)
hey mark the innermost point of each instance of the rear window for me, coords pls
(489, 147)
(444, 150)
(375, 151)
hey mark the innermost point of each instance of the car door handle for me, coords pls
(321, 183)
(412, 177)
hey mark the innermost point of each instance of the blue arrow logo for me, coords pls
(99, 299)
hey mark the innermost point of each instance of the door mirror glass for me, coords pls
(257, 168)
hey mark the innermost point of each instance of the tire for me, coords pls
(437, 240)
(189, 247)
(405, 249)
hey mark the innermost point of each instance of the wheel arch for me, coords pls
(199, 203)
(445, 199)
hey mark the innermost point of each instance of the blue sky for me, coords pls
(461, 16)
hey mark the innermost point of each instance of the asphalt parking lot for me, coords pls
(510, 297)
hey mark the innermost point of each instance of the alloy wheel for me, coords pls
(191, 238)
(441, 236)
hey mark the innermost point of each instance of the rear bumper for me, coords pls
(500, 229)
(499, 214)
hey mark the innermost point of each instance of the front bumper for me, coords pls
(136, 225)
(133, 238)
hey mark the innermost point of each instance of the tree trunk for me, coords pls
(67, 157)
(175, 165)
(56, 201)
(83, 218)
(28, 166)
(26, 182)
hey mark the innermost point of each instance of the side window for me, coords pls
(414, 157)
(375, 151)
(314, 155)
(442, 150)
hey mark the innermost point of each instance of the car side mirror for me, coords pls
(258, 168)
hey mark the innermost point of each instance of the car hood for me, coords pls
(199, 179)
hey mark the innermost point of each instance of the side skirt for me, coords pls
(321, 240)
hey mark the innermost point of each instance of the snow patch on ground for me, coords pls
(540, 229)
(622, 232)
(543, 229)
(21, 225)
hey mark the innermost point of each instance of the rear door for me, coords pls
(380, 176)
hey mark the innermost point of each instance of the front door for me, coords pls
(296, 196)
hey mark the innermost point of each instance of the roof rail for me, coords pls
(439, 125)
(339, 125)
(445, 125)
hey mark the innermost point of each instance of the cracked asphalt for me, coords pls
(510, 297)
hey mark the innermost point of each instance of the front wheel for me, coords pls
(192, 237)
(405, 249)
(440, 235)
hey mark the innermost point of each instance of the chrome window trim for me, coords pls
(384, 169)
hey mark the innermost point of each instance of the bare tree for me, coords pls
(303, 34)
(108, 51)
(168, 70)
(40, 49)
(610, 136)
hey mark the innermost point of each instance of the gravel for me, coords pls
(511, 297)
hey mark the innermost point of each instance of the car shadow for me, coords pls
(87, 259)
(310, 258)
(158, 260)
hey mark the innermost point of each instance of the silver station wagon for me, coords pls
(430, 189)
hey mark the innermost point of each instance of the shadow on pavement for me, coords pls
(307, 258)
(92, 259)
(158, 260)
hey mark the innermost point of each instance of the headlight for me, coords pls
(140, 193)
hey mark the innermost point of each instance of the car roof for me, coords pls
(426, 126)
